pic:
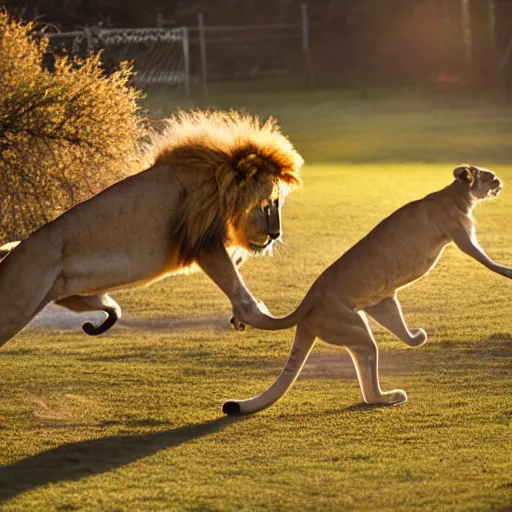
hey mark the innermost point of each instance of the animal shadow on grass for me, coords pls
(74, 461)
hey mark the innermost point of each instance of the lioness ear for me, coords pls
(463, 173)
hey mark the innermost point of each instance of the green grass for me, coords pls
(131, 421)
(334, 125)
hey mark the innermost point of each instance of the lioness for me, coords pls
(402, 248)
(214, 192)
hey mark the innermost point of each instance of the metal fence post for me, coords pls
(466, 33)
(305, 27)
(492, 25)
(305, 42)
(202, 49)
(186, 61)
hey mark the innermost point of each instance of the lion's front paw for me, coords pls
(262, 307)
(236, 324)
(251, 313)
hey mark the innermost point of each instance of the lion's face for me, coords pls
(262, 226)
(483, 182)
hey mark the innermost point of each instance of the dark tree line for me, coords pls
(352, 41)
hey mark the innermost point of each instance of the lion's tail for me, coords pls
(27, 277)
(302, 346)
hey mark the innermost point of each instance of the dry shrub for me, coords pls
(64, 135)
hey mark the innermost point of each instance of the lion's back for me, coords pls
(123, 234)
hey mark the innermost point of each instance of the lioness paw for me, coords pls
(419, 338)
(395, 397)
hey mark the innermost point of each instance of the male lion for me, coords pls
(215, 190)
(402, 248)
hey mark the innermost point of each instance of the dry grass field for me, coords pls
(131, 420)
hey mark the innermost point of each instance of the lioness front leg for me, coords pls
(389, 314)
(100, 302)
(468, 244)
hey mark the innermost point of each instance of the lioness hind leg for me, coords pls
(101, 302)
(301, 348)
(366, 361)
(389, 314)
(352, 331)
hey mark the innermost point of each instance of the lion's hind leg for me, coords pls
(29, 279)
(388, 313)
(16, 315)
(301, 348)
(100, 302)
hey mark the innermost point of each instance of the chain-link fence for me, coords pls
(160, 56)
(355, 43)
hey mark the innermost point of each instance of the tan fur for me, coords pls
(214, 190)
(365, 280)
(7, 248)
(212, 146)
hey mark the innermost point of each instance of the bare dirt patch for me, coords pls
(217, 321)
(338, 365)
(55, 317)
(61, 319)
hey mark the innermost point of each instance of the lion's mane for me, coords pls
(237, 160)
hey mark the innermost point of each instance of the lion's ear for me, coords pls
(463, 173)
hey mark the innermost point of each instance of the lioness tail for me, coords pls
(266, 321)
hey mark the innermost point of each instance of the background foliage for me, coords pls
(64, 135)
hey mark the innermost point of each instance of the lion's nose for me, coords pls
(275, 235)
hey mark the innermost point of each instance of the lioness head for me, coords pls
(482, 183)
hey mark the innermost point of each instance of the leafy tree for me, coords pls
(64, 135)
